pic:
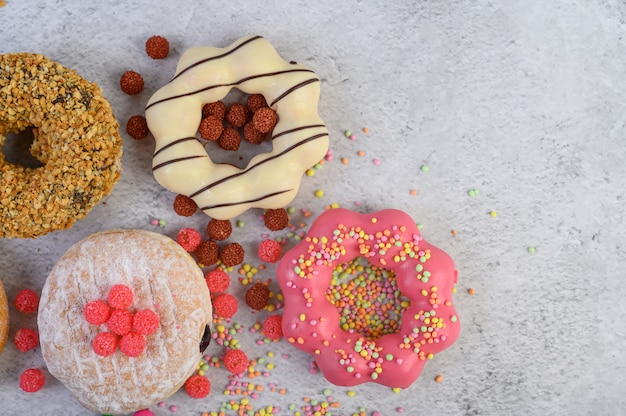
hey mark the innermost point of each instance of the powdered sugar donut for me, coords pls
(164, 279)
(424, 274)
(206, 74)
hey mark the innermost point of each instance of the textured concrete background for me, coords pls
(523, 100)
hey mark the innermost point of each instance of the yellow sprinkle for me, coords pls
(396, 390)
(310, 172)
(493, 214)
(269, 366)
(351, 393)
(319, 193)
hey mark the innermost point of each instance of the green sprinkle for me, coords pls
(531, 249)
(472, 192)
(347, 133)
(389, 357)
(453, 318)
(291, 210)
(349, 369)
(327, 392)
(240, 223)
(425, 168)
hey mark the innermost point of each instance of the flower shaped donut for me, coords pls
(206, 74)
(425, 275)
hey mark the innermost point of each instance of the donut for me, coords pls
(75, 138)
(206, 74)
(4, 317)
(102, 270)
(424, 275)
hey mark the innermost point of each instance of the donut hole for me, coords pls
(241, 156)
(367, 298)
(17, 148)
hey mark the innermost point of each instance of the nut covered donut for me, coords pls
(424, 274)
(206, 74)
(76, 139)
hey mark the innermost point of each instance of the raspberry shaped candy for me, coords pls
(207, 252)
(97, 312)
(276, 219)
(132, 344)
(157, 47)
(217, 280)
(225, 306)
(184, 206)
(189, 239)
(120, 322)
(424, 275)
(232, 254)
(198, 386)
(26, 301)
(236, 361)
(120, 297)
(257, 296)
(272, 327)
(105, 344)
(26, 339)
(32, 380)
(270, 251)
(219, 229)
(137, 127)
(145, 322)
(131, 82)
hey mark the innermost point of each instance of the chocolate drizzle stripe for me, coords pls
(232, 84)
(282, 133)
(276, 156)
(292, 89)
(202, 61)
(180, 159)
(230, 204)
(174, 143)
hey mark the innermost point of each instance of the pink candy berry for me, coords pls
(105, 344)
(198, 386)
(26, 301)
(32, 380)
(120, 297)
(272, 327)
(189, 239)
(26, 339)
(269, 251)
(236, 361)
(145, 322)
(132, 344)
(97, 312)
(217, 280)
(225, 305)
(120, 322)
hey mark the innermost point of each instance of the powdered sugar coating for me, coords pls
(163, 278)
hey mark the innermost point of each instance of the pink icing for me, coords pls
(424, 274)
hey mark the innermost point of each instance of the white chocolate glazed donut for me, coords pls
(206, 74)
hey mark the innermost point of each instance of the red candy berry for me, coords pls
(184, 206)
(217, 280)
(26, 301)
(120, 322)
(32, 380)
(236, 361)
(225, 306)
(189, 239)
(26, 339)
(132, 344)
(120, 297)
(157, 47)
(131, 82)
(198, 386)
(105, 344)
(145, 322)
(97, 312)
(273, 327)
(270, 251)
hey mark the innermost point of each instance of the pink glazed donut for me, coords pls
(388, 239)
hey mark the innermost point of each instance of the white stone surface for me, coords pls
(523, 100)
